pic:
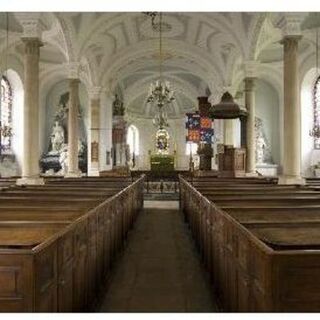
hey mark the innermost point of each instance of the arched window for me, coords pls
(5, 115)
(133, 139)
(191, 147)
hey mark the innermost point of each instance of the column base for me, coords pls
(30, 181)
(251, 174)
(291, 180)
(93, 169)
(77, 174)
(93, 173)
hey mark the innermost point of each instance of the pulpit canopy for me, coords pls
(227, 108)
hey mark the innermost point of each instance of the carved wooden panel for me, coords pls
(65, 272)
(92, 257)
(16, 283)
(80, 278)
(46, 278)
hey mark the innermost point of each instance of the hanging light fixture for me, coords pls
(160, 92)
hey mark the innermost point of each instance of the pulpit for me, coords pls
(232, 162)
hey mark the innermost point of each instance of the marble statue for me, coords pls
(57, 138)
(260, 152)
(263, 148)
(63, 159)
(81, 147)
(117, 107)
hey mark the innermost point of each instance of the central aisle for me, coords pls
(160, 269)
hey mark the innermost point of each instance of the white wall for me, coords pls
(267, 108)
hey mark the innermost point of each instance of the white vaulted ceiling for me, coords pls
(199, 52)
(120, 51)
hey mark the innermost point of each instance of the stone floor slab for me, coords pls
(160, 269)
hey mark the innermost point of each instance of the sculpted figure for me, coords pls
(63, 159)
(261, 145)
(57, 138)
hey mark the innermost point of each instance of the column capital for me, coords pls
(251, 69)
(291, 24)
(32, 45)
(249, 84)
(73, 70)
(290, 42)
(95, 92)
(31, 24)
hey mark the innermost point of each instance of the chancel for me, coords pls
(159, 162)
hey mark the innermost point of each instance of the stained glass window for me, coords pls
(316, 109)
(5, 115)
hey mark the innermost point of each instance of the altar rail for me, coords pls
(61, 265)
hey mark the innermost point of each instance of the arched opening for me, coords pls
(133, 140)
(316, 110)
(310, 155)
(5, 117)
(11, 115)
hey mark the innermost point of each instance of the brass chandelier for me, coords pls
(160, 92)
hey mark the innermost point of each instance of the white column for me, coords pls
(94, 138)
(251, 144)
(30, 163)
(228, 134)
(73, 122)
(105, 132)
(292, 114)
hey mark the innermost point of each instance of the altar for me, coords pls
(162, 163)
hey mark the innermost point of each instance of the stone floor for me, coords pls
(160, 270)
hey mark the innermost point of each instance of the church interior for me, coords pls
(159, 162)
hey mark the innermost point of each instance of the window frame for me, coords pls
(8, 92)
(316, 110)
(135, 139)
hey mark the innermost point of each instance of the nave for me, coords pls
(93, 244)
(160, 269)
(101, 111)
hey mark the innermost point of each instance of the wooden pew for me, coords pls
(249, 272)
(64, 270)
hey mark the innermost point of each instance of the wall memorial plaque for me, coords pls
(94, 151)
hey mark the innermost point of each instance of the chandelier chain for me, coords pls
(160, 44)
(160, 92)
